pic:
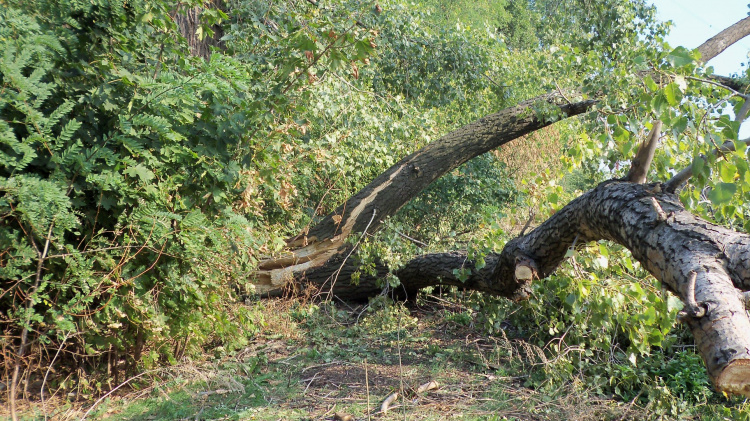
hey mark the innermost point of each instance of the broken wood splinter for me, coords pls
(661, 216)
(388, 401)
(427, 386)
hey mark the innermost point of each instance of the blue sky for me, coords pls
(695, 21)
(698, 20)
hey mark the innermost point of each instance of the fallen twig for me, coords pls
(388, 401)
(428, 386)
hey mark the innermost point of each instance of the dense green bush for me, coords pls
(140, 184)
(118, 179)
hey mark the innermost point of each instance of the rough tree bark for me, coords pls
(317, 254)
(706, 265)
(188, 20)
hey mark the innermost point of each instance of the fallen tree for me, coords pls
(704, 264)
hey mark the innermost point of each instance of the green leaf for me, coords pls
(570, 299)
(698, 165)
(680, 125)
(673, 94)
(601, 262)
(603, 250)
(727, 172)
(722, 193)
(659, 103)
(142, 172)
(679, 57)
(650, 84)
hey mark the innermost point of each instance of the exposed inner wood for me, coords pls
(684, 252)
(277, 272)
(642, 161)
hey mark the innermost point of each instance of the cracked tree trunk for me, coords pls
(397, 186)
(706, 265)
(317, 255)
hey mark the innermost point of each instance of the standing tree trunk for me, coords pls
(188, 20)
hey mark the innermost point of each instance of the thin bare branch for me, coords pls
(683, 176)
(738, 85)
(25, 332)
(711, 81)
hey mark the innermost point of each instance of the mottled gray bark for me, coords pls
(670, 242)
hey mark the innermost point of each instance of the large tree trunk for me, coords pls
(704, 264)
(318, 253)
(385, 195)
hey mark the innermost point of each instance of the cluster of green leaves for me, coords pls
(698, 116)
(118, 178)
(140, 184)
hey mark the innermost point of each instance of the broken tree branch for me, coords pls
(692, 307)
(661, 216)
(427, 386)
(644, 156)
(321, 245)
(388, 401)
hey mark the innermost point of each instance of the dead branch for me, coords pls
(427, 386)
(642, 161)
(388, 401)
